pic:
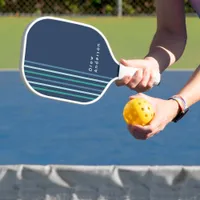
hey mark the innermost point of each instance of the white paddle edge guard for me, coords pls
(130, 71)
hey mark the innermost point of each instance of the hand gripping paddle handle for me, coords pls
(130, 71)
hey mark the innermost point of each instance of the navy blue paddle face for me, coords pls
(68, 61)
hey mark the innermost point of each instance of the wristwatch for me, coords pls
(183, 108)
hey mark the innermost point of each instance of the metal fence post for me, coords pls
(119, 8)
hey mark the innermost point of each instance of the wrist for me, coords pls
(154, 67)
(154, 62)
(182, 107)
(163, 56)
(175, 107)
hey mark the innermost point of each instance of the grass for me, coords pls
(129, 38)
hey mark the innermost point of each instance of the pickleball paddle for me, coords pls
(69, 61)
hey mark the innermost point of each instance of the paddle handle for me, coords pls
(130, 71)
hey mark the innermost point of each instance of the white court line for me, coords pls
(168, 70)
(8, 70)
(180, 70)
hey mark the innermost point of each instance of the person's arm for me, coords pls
(170, 38)
(166, 48)
(191, 91)
(167, 110)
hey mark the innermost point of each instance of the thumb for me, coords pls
(151, 128)
(133, 63)
(124, 62)
(155, 122)
(155, 125)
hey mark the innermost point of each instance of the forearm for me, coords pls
(191, 91)
(169, 40)
(166, 48)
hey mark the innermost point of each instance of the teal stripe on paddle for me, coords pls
(67, 79)
(63, 93)
(61, 83)
(66, 69)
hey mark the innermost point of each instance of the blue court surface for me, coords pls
(35, 130)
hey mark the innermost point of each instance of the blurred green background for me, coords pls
(129, 37)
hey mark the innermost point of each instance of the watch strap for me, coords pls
(183, 108)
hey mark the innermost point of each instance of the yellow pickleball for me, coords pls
(138, 111)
